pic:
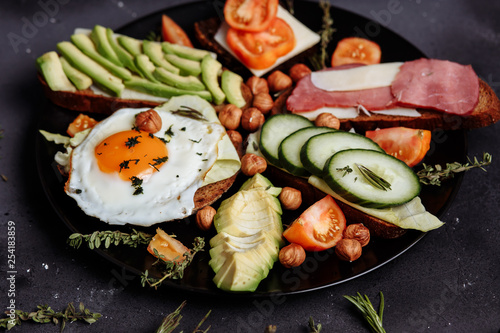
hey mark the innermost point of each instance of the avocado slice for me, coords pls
(100, 39)
(259, 181)
(123, 55)
(255, 257)
(162, 90)
(79, 79)
(186, 66)
(132, 45)
(99, 74)
(231, 86)
(154, 52)
(52, 70)
(184, 51)
(237, 276)
(145, 67)
(210, 69)
(85, 44)
(182, 82)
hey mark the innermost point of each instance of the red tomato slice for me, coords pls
(319, 227)
(250, 15)
(356, 50)
(260, 50)
(407, 144)
(81, 123)
(170, 248)
(173, 33)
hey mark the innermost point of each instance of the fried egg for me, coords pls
(122, 175)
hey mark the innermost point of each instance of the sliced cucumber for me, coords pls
(277, 128)
(289, 149)
(317, 150)
(345, 176)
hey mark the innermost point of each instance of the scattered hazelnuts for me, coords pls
(252, 164)
(290, 198)
(252, 119)
(327, 120)
(205, 218)
(263, 101)
(358, 232)
(292, 255)
(278, 81)
(348, 249)
(298, 71)
(257, 85)
(230, 116)
(148, 121)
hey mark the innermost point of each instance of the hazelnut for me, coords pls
(298, 71)
(257, 85)
(348, 249)
(252, 164)
(327, 120)
(235, 138)
(148, 121)
(290, 198)
(278, 81)
(263, 101)
(292, 255)
(358, 232)
(205, 217)
(230, 116)
(252, 119)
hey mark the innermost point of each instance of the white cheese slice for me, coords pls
(404, 112)
(359, 78)
(305, 39)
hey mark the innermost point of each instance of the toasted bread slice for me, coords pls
(310, 195)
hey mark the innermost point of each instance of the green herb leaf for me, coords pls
(373, 178)
(189, 112)
(131, 142)
(364, 305)
(109, 237)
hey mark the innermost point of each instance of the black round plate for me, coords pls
(320, 269)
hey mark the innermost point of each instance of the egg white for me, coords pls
(168, 194)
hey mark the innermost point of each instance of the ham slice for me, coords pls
(437, 84)
(307, 97)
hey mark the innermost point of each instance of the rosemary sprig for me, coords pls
(373, 179)
(318, 60)
(364, 305)
(189, 112)
(95, 239)
(313, 328)
(153, 36)
(434, 175)
(171, 321)
(45, 315)
(172, 269)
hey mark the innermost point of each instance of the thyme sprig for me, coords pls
(45, 315)
(373, 178)
(313, 328)
(373, 317)
(434, 175)
(318, 60)
(171, 321)
(108, 238)
(172, 269)
(189, 112)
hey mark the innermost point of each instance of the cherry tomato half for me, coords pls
(173, 33)
(260, 50)
(81, 123)
(168, 247)
(319, 227)
(407, 144)
(356, 50)
(250, 15)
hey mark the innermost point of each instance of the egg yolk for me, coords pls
(131, 153)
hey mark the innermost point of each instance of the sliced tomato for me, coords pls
(173, 33)
(407, 144)
(356, 50)
(319, 227)
(81, 123)
(250, 15)
(169, 248)
(260, 50)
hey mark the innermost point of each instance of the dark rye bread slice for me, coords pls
(310, 195)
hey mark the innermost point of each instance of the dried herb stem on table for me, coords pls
(434, 175)
(171, 321)
(318, 61)
(172, 269)
(97, 238)
(373, 317)
(313, 328)
(45, 315)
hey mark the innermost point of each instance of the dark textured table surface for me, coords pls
(448, 282)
